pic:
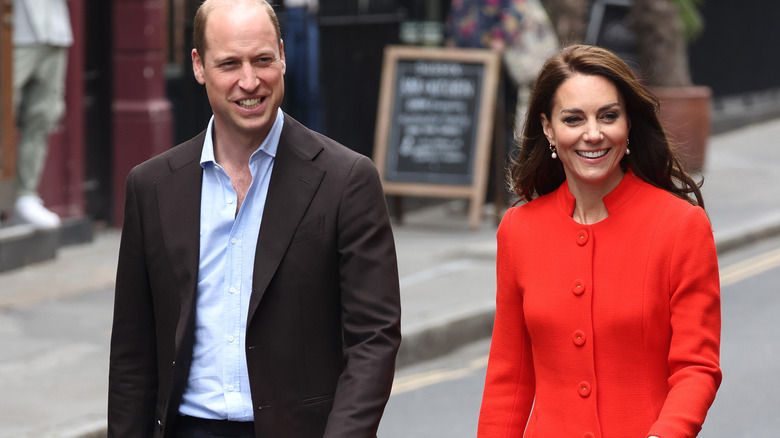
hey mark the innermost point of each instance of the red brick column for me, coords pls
(142, 117)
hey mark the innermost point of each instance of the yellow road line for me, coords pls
(421, 380)
(750, 267)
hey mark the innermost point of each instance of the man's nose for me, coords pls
(248, 80)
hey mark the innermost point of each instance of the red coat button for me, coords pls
(579, 338)
(584, 389)
(582, 237)
(578, 288)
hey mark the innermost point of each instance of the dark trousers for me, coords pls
(191, 427)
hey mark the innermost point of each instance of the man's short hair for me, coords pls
(202, 15)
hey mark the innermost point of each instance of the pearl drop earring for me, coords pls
(554, 154)
(628, 151)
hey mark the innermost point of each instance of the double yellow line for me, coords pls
(421, 380)
(749, 268)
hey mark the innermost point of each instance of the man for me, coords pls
(42, 35)
(257, 286)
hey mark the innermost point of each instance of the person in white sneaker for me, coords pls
(42, 35)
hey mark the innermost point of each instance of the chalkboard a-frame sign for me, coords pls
(435, 123)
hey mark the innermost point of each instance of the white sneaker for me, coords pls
(30, 209)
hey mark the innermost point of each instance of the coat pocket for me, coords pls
(317, 399)
(310, 229)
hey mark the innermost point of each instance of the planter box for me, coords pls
(685, 115)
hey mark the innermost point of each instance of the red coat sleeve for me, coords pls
(695, 321)
(510, 382)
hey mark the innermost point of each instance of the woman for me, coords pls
(608, 303)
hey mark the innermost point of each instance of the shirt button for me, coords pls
(230, 388)
(582, 237)
(233, 241)
(579, 338)
(230, 339)
(578, 288)
(584, 389)
(232, 290)
(229, 200)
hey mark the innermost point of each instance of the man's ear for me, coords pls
(281, 52)
(197, 67)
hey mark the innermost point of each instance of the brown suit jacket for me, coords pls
(323, 326)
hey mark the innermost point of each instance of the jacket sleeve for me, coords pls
(370, 306)
(695, 321)
(510, 380)
(132, 385)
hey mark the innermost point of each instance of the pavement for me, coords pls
(55, 316)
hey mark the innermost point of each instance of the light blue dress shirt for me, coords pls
(218, 385)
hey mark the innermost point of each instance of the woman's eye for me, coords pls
(571, 120)
(610, 116)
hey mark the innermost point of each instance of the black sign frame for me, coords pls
(435, 122)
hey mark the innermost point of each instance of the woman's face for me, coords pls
(589, 127)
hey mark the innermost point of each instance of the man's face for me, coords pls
(243, 71)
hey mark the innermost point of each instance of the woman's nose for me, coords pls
(593, 133)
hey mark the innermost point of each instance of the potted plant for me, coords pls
(663, 29)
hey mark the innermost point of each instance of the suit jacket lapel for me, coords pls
(179, 203)
(294, 181)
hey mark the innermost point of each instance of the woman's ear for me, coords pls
(547, 128)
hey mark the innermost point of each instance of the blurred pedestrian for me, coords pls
(608, 302)
(522, 33)
(42, 35)
(533, 41)
(301, 37)
(257, 286)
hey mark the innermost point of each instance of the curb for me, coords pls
(442, 335)
(760, 228)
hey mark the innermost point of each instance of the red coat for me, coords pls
(607, 330)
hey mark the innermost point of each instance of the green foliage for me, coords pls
(691, 17)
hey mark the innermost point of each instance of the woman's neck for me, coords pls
(589, 207)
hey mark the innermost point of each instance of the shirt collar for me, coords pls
(270, 145)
